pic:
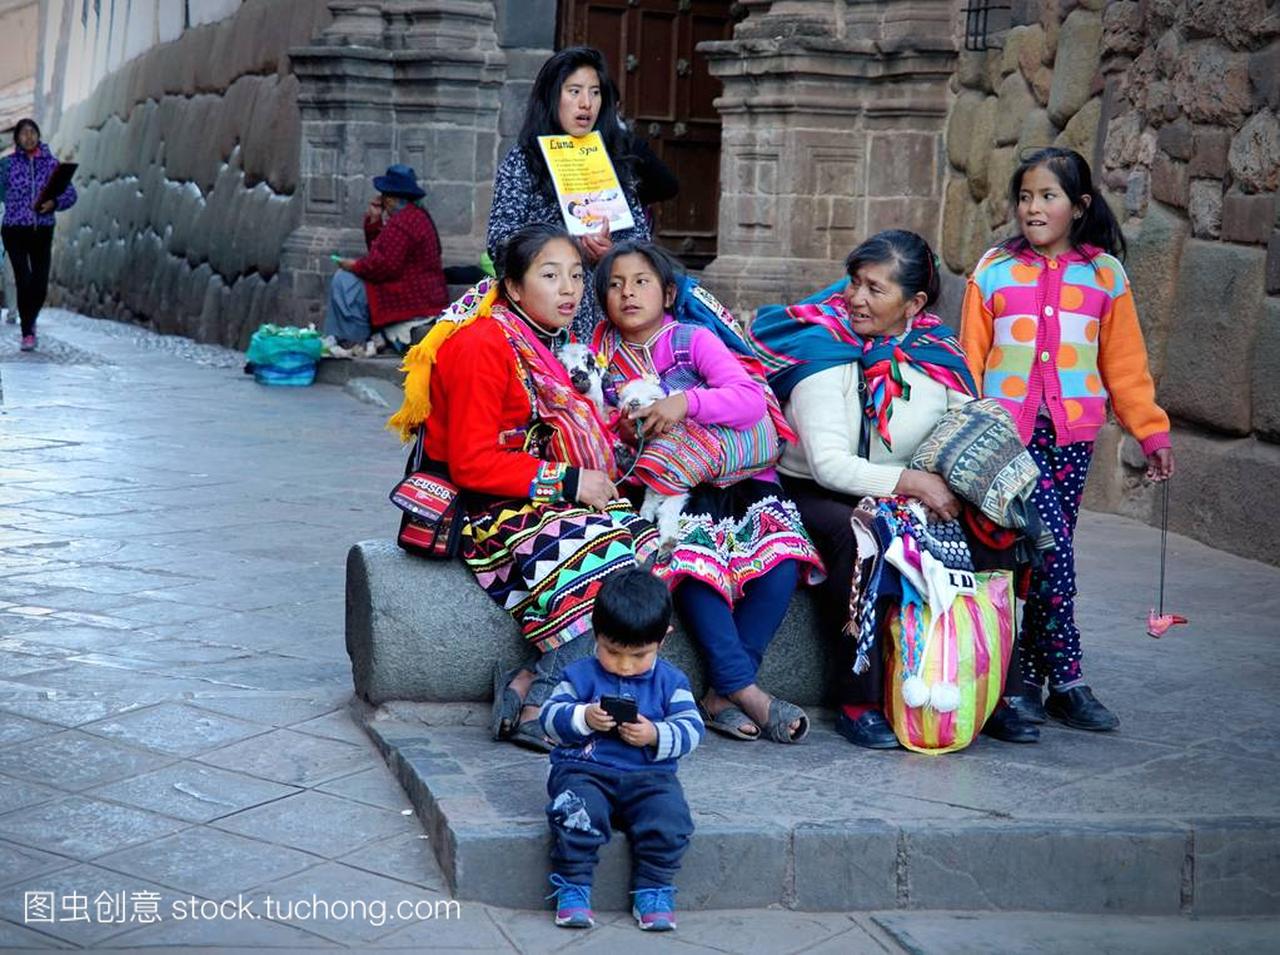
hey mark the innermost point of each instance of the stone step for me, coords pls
(824, 826)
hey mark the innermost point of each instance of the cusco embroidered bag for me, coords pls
(431, 525)
(961, 666)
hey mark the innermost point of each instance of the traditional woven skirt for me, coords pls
(544, 563)
(728, 537)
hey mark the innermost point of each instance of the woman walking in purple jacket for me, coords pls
(28, 231)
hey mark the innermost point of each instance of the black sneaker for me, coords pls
(870, 730)
(1006, 725)
(1028, 704)
(1078, 709)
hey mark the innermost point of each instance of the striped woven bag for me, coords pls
(968, 650)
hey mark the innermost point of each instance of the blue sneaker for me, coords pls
(573, 903)
(655, 909)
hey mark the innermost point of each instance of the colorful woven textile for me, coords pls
(570, 426)
(728, 537)
(975, 448)
(795, 341)
(544, 563)
(691, 453)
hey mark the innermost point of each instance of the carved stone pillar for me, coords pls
(833, 114)
(412, 81)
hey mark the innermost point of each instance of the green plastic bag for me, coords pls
(284, 355)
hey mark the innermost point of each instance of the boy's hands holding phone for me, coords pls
(618, 716)
(598, 719)
(640, 732)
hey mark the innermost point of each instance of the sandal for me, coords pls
(728, 722)
(781, 715)
(505, 716)
(529, 735)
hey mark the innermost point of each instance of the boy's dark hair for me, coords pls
(663, 262)
(914, 266)
(633, 608)
(542, 114)
(518, 250)
(1096, 225)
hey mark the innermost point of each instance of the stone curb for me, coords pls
(1223, 866)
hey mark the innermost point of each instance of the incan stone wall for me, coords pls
(189, 161)
(1175, 103)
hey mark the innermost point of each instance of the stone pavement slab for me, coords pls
(134, 460)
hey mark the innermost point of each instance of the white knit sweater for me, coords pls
(825, 410)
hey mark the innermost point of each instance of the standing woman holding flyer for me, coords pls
(572, 96)
(28, 220)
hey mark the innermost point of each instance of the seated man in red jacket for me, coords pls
(400, 279)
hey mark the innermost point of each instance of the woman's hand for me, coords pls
(376, 211)
(932, 491)
(595, 489)
(598, 718)
(640, 733)
(346, 264)
(596, 244)
(661, 416)
(45, 207)
(1160, 465)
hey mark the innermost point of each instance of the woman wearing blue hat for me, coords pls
(402, 276)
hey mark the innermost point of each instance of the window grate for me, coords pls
(978, 27)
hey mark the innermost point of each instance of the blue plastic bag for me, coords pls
(284, 355)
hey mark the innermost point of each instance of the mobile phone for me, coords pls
(621, 708)
(335, 257)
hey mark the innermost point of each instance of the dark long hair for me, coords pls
(1096, 225)
(542, 115)
(664, 265)
(914, 266)
(25, 121)
(518, 250)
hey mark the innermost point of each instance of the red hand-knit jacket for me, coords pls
(402, 273)
(479, 407)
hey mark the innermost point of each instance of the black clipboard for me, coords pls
(57, 184)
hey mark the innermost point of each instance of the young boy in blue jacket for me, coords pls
(602, 769)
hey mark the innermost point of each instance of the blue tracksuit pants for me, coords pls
(648, 806)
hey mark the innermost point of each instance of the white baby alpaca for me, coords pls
(660, 509)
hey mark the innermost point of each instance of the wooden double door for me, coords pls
(668, 95)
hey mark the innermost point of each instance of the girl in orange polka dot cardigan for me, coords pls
(1050, 330)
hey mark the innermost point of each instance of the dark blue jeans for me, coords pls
(734, 639)
(649, 806)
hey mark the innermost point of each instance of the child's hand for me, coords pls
(640, 733)
(661, 416)
(1160, 465)
(598, 719)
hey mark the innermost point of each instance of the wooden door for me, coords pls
(667, 94)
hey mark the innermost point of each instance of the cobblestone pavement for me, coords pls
(174, 732)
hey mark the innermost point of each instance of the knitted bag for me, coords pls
(942, 681)
(975, 448)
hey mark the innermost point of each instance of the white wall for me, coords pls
(78, 54)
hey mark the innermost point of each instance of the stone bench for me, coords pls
(423, 630)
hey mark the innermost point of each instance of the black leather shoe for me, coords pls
(1006, 725)
(1028, 705)
(870, 730)
(1078, 709)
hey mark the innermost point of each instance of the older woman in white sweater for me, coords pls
(865, 372)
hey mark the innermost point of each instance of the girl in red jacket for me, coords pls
(544, 522)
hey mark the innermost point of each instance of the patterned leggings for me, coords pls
(1050, 640)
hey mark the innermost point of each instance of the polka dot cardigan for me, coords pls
(1061, 334)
